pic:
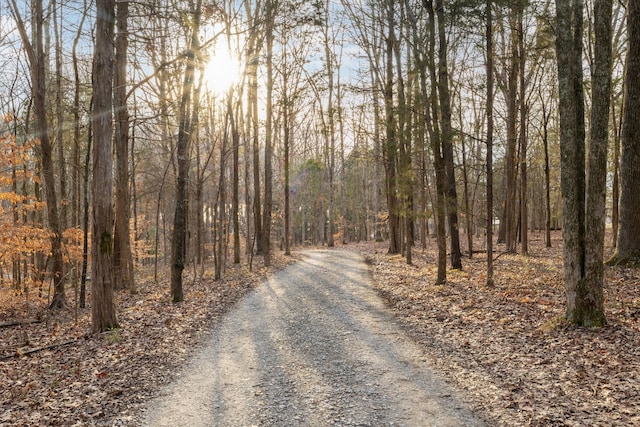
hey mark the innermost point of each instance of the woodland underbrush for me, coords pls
(507, 348)
(53, 371)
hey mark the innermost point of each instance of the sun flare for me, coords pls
(221, 72)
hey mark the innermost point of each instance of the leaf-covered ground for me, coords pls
(506, 347)
(104, 379)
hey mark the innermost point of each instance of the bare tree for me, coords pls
(391, 143)
(583, 207)
(628, 247)
(489, 106)
(59, 135)
(447, 138)
(252, 125)
(185, 131)
(103, 309)
(36, 54)
(270, 11)
(122, 257)
(524, 212)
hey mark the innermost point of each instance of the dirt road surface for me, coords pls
(313, 346)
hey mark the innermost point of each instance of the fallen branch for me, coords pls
(19, 352)
(18, 322)
(503, 253)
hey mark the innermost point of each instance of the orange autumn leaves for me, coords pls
(24, 239)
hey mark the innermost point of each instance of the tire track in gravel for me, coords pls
(312, 346)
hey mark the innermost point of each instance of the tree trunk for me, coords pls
(103, 308)
(583, 229)
(404, 162)
(62, 164)
(179, 240)
(377, 149)
(347, 236)
(287, 135)
(524, 213)
(490, 95)
(252, 134)
(391, 144)
(569, 56)
(37, 65)
(431, 118)
(628, 248)
(77, 166)
(546, 117)
(467, 204)
(85, 212)
(331, 137)
(615, 190)
(235, 136)
(221, 204)
(199, 208)
(122, 257)
(447, 139)
(198, 212)
(268, 143)
(589, 309)
(508, 229)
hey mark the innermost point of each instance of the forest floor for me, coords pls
(505, 348)
(85, 379)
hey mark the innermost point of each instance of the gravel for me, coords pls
(312, 346)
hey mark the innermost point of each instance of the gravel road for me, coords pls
(312, 346)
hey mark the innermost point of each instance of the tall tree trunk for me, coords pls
(431, 117)
(36, 54)
(235, 136)
(286, 125)
(583, 230)
(268, 143)
(85, 211)
(546, 117)
(490, 95)
(615, 185)
(589, 309)
(200, 231)
(252, 134)
(377, 149)
(62, 164)
(422, 120)
(391, 144)
(179, 240)
(628, 248)
(162, 31)
(77, 166)
(467, 203)
(247, 192)
(405, 178)
(198, 212)
(569, 57)
(508, 227)
(331, 137)
(221, 204)
(134, 194)
(447, 139)
(103, 313)
(16, 272)
(122, 257)
(524, 214)
(346, 234)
